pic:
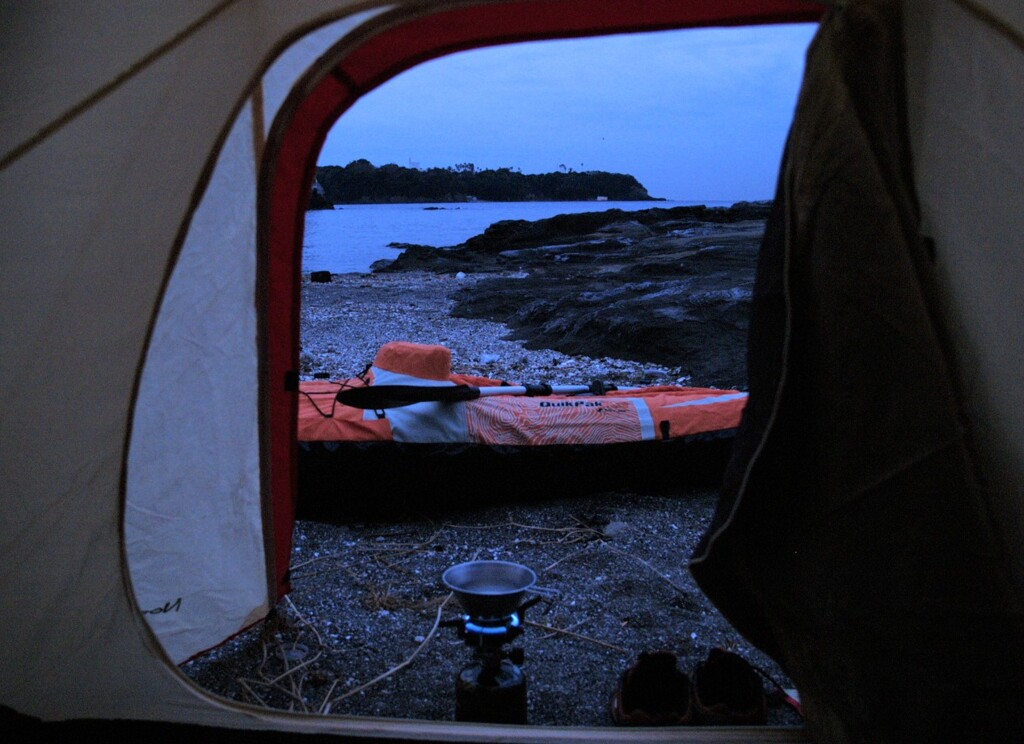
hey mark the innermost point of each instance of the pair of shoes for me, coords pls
(725, 690)
(653, 692)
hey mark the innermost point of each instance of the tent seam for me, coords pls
(91, 100)
(992, 21)
(259, 134)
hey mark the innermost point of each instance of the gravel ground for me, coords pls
(359, 634)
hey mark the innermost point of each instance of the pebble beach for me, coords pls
(345, 322)
(361, 632)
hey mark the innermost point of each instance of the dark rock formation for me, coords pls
(318, 201)
(668, 286)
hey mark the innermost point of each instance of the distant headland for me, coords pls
(361, 182)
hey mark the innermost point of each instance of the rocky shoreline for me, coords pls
(665, 286)
(359, 633)
(346, 321)
(652, 296)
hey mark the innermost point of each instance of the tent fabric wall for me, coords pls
(99, 184)
(965, 88)
(852, 541)
(112, 123)
(193, 520)
(194, 529)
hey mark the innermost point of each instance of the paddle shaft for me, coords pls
(395, 396)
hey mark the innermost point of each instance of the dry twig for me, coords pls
(582, 637)
(326, 707)
(316, 559)
(295, 676)
(644, 563)
(417, 548)
(568, 556)
(568, 534)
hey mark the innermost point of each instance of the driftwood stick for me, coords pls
(433, 631)
(401, 554)
(294, 694)
(509, 523)
(291, 670)
(251, 692)
(553, 633)
(295, 675)
(582, 637)
(306, 625)
(325, 705)
(567, 556)
(318, 558)
(651, 568)
(328, 704)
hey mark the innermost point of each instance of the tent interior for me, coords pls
(180, 146)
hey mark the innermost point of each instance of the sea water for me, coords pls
(351, 237)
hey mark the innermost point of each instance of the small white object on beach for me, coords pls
(461, 275)
(615, 529)
(489, 358)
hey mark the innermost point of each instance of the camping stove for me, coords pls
(493, 688)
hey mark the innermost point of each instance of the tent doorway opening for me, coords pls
(359, 633)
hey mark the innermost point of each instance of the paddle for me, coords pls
(394, 396)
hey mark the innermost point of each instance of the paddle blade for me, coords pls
(376, 397)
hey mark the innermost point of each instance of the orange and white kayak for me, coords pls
(439, 449)
(504, 414)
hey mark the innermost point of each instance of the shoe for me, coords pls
(728, 691)
(653, 692)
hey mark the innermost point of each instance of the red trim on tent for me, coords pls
(380, 58)
(399, 48)
(289, 199)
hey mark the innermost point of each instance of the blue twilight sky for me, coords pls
(697, 114)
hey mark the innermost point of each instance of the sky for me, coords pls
(698, 114)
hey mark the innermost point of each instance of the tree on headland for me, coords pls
(360, 182)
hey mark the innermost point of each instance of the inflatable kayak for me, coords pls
(409, 427)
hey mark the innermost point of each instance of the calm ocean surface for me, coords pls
(353, 236)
